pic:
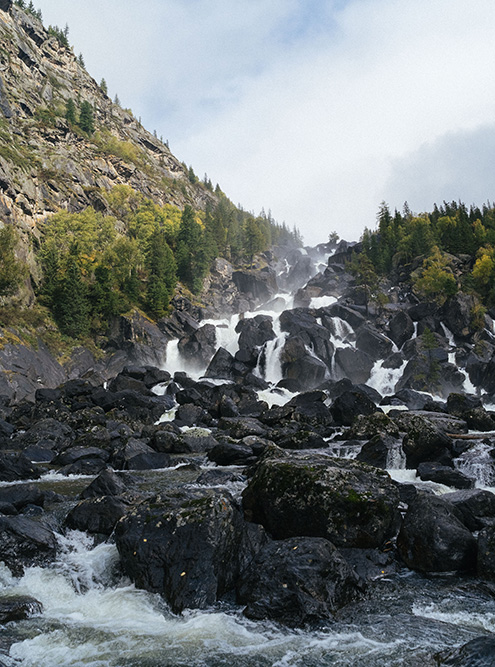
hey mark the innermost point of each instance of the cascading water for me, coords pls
(383, 379)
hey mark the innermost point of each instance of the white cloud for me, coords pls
(315, 109)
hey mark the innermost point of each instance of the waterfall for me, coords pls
(385, 379)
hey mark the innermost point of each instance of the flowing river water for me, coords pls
(93, 616)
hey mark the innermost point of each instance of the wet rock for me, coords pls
(254, 332)
(477, 507)
(24, 542)
(96, 515)
(108, 483)
(434, 472)
(14, 467)
(73, 454)
(366, 427)
(353, 364)
(21, 495)
(479, 652)
(380, 452)
(298, 438)
(433, 538)
(260, 286)
(169, 443)
(459, 404)
(349, 405)
(199, 346)
(218, 477)
(310, 494)
(423, 440)
(300, 365)
(20, 607)
(190, 415)
(373, 343)
(457, 314)
(226, 454)
(401, 328)
(297, 581)
(301, 323)
(188, 545)
(486, 553)
(240, 427)
(222, 365)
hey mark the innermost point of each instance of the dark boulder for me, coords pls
(222, 365)
(301, 323)
(14, 467)
(21, 495)
(257, 285)
(188, 545)
(423, 440)
(190, 415)
(477, 507)
(349, 315)
(349, 405)
(108, 483)
(300, 365)
(382, 451)
(459, 404)
(240, 427)
(20, 607)
(479, 652)
(24, 542)
(297, 581)
(169, 442)
(226, 454)
(486, 553)
(5, 6)
(254, 332)
(430, 471)
(310, 494)
(199, 346)
(457, 314)
(96, 515)
(73, 454)
(401, 328)
(353, 364)
(373, 343)
(433, 538)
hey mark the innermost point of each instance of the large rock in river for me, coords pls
(188, 545)
(296, 581)
(433, 538)
(348, 502)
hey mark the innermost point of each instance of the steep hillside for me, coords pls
(47, 164)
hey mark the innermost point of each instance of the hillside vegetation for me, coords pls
(438, 253)
(97, 216)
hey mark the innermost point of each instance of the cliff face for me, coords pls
(47, 164)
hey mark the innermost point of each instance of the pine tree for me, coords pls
(162, 275)
(72, 309)
(80, 60)
(86, 122)
(104, 87)
(70, 112)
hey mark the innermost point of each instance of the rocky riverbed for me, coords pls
(311, 514)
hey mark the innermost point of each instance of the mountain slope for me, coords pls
(46, 163)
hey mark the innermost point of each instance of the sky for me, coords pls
(315, 110)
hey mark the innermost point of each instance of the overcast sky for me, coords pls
(315, 109)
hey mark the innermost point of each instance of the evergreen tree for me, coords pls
(162, 275)
(104, 87)
(70, 112)
(72, 309)
(80, 60)
(86, 122)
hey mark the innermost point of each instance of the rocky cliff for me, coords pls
(47, 164)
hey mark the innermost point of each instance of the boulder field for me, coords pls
(276, 522)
